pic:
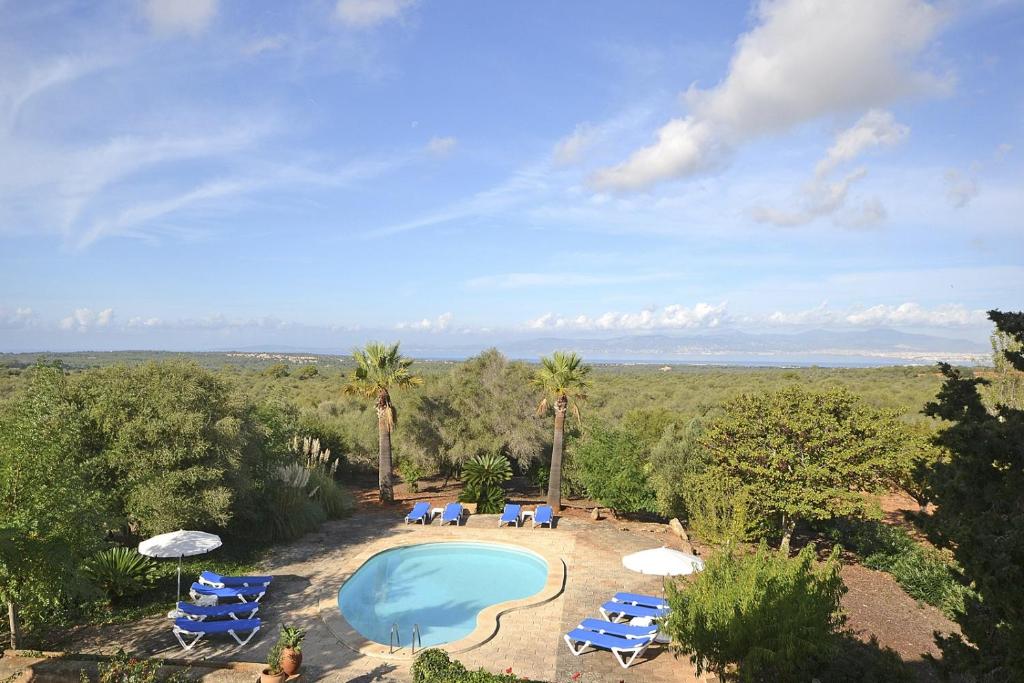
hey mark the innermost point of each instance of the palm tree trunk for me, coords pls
(555, 474)
(387, 494)
(12, 620)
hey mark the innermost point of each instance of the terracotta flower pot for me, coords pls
(267, 677)
(290, 661)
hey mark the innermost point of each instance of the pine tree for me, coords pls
(979, 493)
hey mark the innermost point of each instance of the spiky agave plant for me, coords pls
(120, 572)
(483, 476)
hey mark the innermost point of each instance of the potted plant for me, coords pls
(291, 649)
(273, 673)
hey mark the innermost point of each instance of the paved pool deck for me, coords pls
(528, 640)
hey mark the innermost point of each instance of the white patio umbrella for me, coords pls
(180, 544)
(663, 561)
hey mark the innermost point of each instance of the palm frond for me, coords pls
(380, 367)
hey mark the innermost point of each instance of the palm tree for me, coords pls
(379, 370)
(562, 377)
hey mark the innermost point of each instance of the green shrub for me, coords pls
(772, 617)
(435, 666)
(120, 572)
(612, 465)
(717, 509)
(923, 572)
(122, 668)
(411, 473)
(291, 512)
(336, 501)
(483, 476)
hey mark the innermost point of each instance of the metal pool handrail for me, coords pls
(416, 637)
(393, 638)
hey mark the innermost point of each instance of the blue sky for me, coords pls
(217, 173)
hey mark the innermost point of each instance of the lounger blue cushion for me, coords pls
(213, 578)
(511, 514)
(452, 513)
(625, 609)
(238, 610)
(242, 593)
(543, 515)
(641, 600)
(621, 630)
(418, 513)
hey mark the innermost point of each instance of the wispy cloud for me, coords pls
(441, 146)
(191, 17)
(570, 149)
(822, 196)
(16, 318)
(369, 13)
(802, 60)
(905, 315)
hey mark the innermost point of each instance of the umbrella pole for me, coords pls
(179, 582)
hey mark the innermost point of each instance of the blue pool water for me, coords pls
(440, 586)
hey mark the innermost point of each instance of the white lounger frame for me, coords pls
(618, 652)
(179, 632)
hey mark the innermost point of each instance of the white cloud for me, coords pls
(908, 314)
(877, 128)
(265, 44)
(438, 324)
(803, 60)
(84, 319)
(819, 315)
(180, 16)
(821, 196)
(369, 13)
(569, 150)
(18, 318)
(441, 146)
(949, 315)
(961, 188)
(674, 316)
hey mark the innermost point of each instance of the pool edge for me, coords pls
(488, 619)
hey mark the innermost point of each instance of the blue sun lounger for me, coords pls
(185, 628)
(215, 580)
(640, 600)
(579, 639)
(511, 515)
(420, 513)
(452, 514)
(543, 515)
(238, 610)
(240, 593)
(614, 611)
(616, 629)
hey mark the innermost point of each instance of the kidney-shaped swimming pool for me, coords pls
(441, 587)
